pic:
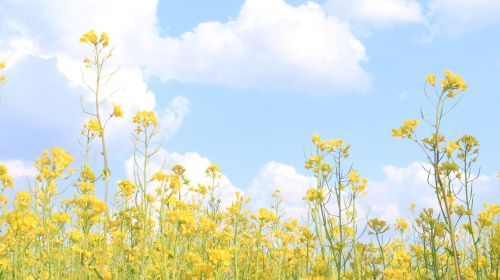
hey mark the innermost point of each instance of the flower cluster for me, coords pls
(162, 225)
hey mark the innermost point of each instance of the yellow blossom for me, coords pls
(89, 37)
(104, 40)
(407, 130)
(452, 82)
(144, 119)
(23, 199)
(354, 177)
(93, 126)
(451, 147)
(127, 187)
(6, 181)
(431, 79)
(315, 139)
(117, 111)
(401, 225)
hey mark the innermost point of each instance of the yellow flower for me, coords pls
(397, 132)
(178, 169)
(93, 127)
(407, 130)
(175, 183)
(144, 119)
(89, 37)
(213, 171)
(6, 181)
(361, 188)
(451, 147)
(87, 174)
(412, 206)
(126, 187)
(401, 225)
(117, 111)
(315, 139)
(23, 199)
(52, 165)
(354, 177)
(150, 198)
(61, 159)
(265, 215)
(104, 40)
(452, 82)
(377, 226)
(159, 176)
(85, 186)
(315, 195)
(201, 189)
(220, 256)
(431, 79)
(2, 77)
(448, 167)
(62, 217)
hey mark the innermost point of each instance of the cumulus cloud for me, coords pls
(379, 13)
(293, 187)
(388, 198)
(16, 49)
(459, 16)
(400, 186)
(440, 17)
(18, 168)
(63, 23)
(195, 165)
(271, 176)
(271, 44)
(172, 117)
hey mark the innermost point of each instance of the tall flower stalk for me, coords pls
(100, 55)
(442, 172)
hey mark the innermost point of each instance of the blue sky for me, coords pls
(245, 84)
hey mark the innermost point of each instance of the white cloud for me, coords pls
(130, 90)
(388, 212)
(379, 13)
(443, 17)
(269, 45)
(388, 198)
(391, 196)
(195, 165)
(400, 186)
(293, 187)
(51, 30)
(15, 49)
(271, 176)
(173, 116)
(458, 16)
(18, 168)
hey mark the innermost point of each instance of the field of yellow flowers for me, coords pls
(181, 231)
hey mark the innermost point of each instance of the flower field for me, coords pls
(158, 225)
